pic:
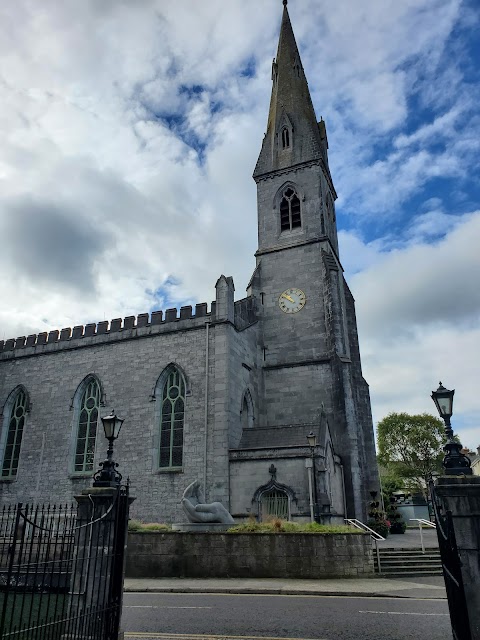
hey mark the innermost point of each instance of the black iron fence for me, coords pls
(452, 568)
(61, 569)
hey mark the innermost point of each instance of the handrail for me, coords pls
(373, 534)
(360, 525)
(427, 523)
(421, 523)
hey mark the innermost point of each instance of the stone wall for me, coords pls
(243, 555)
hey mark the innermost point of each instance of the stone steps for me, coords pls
(409, 562)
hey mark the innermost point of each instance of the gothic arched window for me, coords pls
(290, 217)
(87, 403)
(12, 433)
(171, 420)
(285, 138)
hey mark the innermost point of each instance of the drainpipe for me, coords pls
(205, 426)
(344, 493)
(309, 467)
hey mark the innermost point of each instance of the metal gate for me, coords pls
(61, 574)
(275, 505)
(451, 565)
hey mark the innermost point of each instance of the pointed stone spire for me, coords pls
(293, 135)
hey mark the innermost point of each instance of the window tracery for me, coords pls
(14, 426)
(88, 407)
(290, 214)
(172, 420)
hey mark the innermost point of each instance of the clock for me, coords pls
(292, 300)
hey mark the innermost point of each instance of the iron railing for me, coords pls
(61, 570)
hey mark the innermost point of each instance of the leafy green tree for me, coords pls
(411, 447)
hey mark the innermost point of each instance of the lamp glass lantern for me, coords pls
(312, 440)
(112, 425)
(443, 399)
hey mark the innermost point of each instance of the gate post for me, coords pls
(461, 496)
(99, 564)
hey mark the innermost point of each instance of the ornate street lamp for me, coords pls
(455, 462)
(312, 443)
(107, 475)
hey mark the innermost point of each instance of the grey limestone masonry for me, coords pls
(242, 555)
(128, 363)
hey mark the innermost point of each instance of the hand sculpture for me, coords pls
(193, 503)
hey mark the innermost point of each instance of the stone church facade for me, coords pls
(225, 393)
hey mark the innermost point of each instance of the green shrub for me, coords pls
(156, 526)
(398, 527)
(136, 526)
(277, 525)
(382, 527)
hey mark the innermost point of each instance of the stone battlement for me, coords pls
(106, 328)
(118, 328)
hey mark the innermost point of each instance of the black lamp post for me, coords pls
(455, 462)
(107, 475)
(312, 443)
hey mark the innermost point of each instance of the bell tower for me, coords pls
(309, 348)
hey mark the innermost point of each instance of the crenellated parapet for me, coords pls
(131, 326)
(143, 325)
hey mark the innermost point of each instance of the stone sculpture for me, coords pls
(198, 511)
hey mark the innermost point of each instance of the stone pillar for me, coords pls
(99, 557)
(225, 307)
(461, 496)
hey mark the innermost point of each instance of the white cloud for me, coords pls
(138, 125)
(418, 311)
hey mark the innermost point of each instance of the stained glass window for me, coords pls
(16, 424)
(87, 426)
(172, 417)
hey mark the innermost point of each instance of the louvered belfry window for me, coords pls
(87, 426)
(16, 423)
(172, 418)
(290, 217)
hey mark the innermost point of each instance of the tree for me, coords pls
(411, 447)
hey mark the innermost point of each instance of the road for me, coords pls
(307, 617)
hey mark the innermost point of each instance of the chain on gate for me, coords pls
(452, 568)
(50, 560)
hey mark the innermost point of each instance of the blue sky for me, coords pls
(130, 132)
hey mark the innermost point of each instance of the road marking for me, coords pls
(405, 613)
(152, 606)
(131, 635)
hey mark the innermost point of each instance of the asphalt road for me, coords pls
(307, 617)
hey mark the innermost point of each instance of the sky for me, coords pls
(130, 130)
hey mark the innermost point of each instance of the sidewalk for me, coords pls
(411, 540)
(429, 588)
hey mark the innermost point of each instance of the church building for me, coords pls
(225, 393)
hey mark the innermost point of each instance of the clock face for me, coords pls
(292, 300)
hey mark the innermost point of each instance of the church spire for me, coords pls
(293, 135)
